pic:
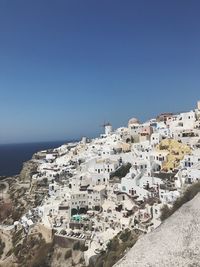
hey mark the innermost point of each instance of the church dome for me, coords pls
(133, 121)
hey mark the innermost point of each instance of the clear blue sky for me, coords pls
(68, 66)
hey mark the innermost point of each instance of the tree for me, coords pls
(122, 171)
(165, 212)
(45, 180)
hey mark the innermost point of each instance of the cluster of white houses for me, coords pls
(123, 177)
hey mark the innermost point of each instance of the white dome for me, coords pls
(133, 121)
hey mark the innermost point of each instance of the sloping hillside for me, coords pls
(175, 243)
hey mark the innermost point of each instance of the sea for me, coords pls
(12, 156)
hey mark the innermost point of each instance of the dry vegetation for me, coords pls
(188, 195)
(116, 249)
(6, 210)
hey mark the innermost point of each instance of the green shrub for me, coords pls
(165, 212)
(45, 181)
(111, 260)
(2, 246)
(124, 236)
(41, 258)
(2, 187)
(17, 213)
(113, 244)
(122, 171)
(83, 247)
(17, 249)
(58, 255)
(115, 249)
(130, 243)
(188, 195)
(68, 254)
(17, 236)
(63, 232)
(76, 245)
(9, 253)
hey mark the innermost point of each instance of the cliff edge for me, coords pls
(176, 242)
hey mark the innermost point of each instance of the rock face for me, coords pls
(176, 242)
(28, 168)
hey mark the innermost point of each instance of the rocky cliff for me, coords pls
(29, 167)
(176, 242)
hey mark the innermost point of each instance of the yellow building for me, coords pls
(176, 150)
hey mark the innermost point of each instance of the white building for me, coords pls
(159, 157)
(96, 196)
(138, 185)
(79, 202)
(134, 127)
(168, 197)
(184, 120)
(191, 175)
(102, 166)
(190, 160)
(198, 105)
(108, 128)
(156, 138)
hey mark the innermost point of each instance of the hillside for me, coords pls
(175, 243)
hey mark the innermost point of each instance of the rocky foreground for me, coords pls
(175, 243)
